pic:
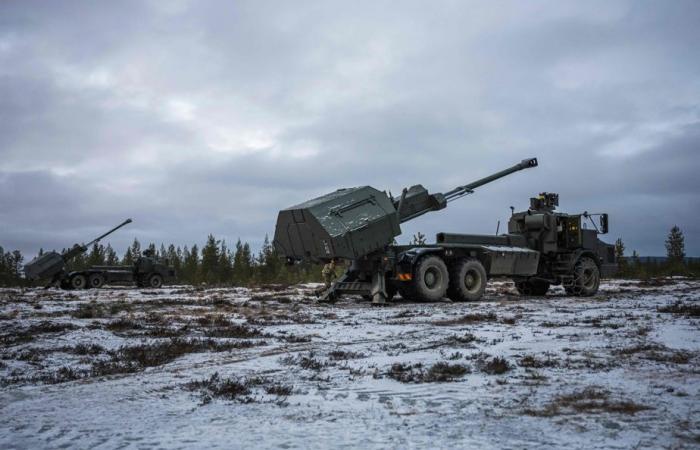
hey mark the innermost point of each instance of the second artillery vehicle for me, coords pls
(147, 271)
(360, 224)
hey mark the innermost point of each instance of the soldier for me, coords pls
(328, 273)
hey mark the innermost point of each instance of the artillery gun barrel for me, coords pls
(98, 239)
(416, 201)
(468, 188)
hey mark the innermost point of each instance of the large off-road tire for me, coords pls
(586, 278)
(78, 281)
(96, 281)
(532, 287)
(155, 281)
(430, 279)
(467, 280)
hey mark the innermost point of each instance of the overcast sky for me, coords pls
(197, 117)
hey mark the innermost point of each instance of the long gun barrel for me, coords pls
(98, 239)
(416, 201)
(461, 191)
(82, 248)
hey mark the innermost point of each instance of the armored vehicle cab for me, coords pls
(571, 252)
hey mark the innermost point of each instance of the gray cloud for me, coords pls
(199, 117)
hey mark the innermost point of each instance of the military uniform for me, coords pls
(329, 274)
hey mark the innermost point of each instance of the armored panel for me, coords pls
(348, 223)
(44, 266)
(512, 261)
(511, 240)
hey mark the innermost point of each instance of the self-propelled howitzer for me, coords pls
(53, 265)
(360, 224)
(147, 270)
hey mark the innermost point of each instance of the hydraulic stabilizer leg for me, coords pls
(378, 291)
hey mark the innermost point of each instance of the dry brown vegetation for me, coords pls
(417, 373)
(241, 390)
(591, 400)
(468, 319)
(679, 307)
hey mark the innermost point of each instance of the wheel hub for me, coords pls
(430, 278)
(471, 281)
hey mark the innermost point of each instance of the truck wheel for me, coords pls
(95, 281)
(431, 279)
(155, 281)
(586, 278)
(78, 281)
(529, 288)
(467, 281)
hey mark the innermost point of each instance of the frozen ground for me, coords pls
(133, 368)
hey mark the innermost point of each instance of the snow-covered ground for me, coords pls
(124, 367)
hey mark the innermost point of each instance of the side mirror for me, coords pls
(603, 224)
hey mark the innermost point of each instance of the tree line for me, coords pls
(217, 264)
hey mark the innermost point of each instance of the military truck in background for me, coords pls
(360, 224)
(147, 271)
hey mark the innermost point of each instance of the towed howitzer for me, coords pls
(353, 223)
(53, 264)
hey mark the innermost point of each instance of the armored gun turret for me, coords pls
(352, 223)
(359, 224)
(53, 264)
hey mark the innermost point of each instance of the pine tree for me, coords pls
(111, 258)
(675, 245)
(96, 257)
(184, 276)
(225, 264)
(237, 263)
(135, 249)
(17, 259)
(191, 265)
(128, 258)
(3, 267)
(248, 262)
(620, 256)
(209, 269)
(268, 263)
(173, 257)
(132, 253)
